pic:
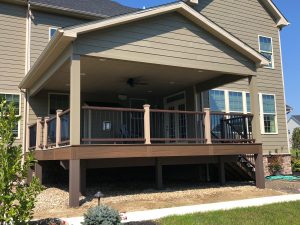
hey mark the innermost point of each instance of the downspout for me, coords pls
(27, 68)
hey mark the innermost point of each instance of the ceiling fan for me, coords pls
(135, 81)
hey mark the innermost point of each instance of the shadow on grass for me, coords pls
(142, 223)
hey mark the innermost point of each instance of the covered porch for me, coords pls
(136, 88)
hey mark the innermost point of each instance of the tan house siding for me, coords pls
(41, 23)
(12, 51)
(169, 39)
(246, 19)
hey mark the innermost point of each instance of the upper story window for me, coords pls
(268, 113)
(266, 49)
(15, 98)
(217, 100)
(52, 32)
(235, 101)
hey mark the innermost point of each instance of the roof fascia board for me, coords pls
(281, 21)
(186, 11)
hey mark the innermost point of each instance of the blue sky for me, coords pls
(290, 48)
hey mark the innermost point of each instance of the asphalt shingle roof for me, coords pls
(296, 117)
(105, 8)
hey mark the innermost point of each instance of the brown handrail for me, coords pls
(50, 119)
(112, 109)
(32, 125)
(112, 139)
(176, 111)
(64, 112)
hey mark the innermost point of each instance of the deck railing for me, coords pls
(107, 125)
(231, 127)
(174, 126)
(112, 125)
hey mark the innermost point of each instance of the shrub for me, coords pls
(296, 138)
(296, 164)
(275, 164)
(17, 199)
(102, 215)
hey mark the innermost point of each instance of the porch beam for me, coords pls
(75, 100)
(254, 99)
(218, 81)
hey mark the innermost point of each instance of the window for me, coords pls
(248, 102)
(15, 98)
(266, 49)
(217, 100)
(268, 107)
(235, 101)
(58, 101)
(52, 31)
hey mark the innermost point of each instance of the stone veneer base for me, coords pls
(286, 164)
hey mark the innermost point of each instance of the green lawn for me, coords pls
(276, 214)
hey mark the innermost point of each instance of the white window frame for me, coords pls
(52, 28)
(54, 93)
(273, 64)
(20, 107)
(243, 103)
(227, 104)
(262, 125)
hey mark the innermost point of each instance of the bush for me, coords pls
(102, 215)
(17, 199)
(275, 164)
(296, 164)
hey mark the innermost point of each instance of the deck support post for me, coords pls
(158, 174)
(38, 171)
(58, 128)
(207, 173)
(207, 126)
(29, 175)
(259, 171)
(82, 177)
(147, 125)
(74, 183)
(222, 177)
(75, 100)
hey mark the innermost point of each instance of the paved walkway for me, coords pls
(160, 213)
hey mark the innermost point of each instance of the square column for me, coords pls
(254, 99)
(75, 100)
(222, 176)
(158, 174)
(74, 183)
(259, 171)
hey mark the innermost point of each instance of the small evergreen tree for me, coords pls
(296, 140)
(17, 199)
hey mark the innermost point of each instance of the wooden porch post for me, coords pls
(158, 174)
(254, 99)
(75, 100)
(58, 127)
(38, 133)
(27, 138)
(38, 170)
(207, 126)
(259, 171)
(74, 182)
(83, 177)
(45, 135)
(222, 177)
(147, 124)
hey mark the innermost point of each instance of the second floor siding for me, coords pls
(40, 25)
(247, 19)
(12, 46)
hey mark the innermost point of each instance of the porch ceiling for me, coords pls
(110, 76)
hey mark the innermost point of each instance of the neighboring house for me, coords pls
(194, 82)
(293, 122)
